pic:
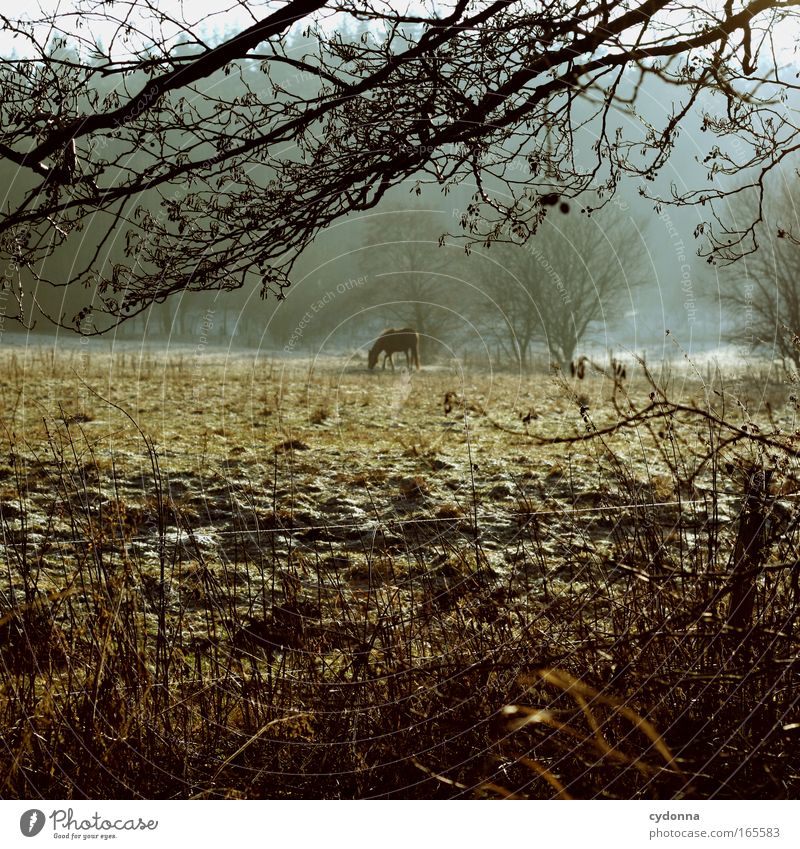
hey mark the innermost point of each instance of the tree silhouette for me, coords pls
(576, 271)
(412, 280)
(762, 292)
(200, 166)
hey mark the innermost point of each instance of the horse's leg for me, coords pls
(391, 361)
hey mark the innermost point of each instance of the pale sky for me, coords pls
(221, 15)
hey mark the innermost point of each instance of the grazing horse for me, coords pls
(579, 369)
(393, 341)
(618, 370)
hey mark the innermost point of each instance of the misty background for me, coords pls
(615, 280)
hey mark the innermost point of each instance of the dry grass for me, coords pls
(224, 578)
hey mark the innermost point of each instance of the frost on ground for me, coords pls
(330, 525)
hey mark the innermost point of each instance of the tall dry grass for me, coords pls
(283, 665)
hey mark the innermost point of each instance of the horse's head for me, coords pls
(373, 356)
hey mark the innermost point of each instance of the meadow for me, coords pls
(237, 576)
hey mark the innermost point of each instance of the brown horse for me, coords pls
(394, 341)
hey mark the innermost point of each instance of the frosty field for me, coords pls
(230, 575)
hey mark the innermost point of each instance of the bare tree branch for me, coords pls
(209, 166)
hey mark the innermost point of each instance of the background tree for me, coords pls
(202, 169)
(413, 280)
(762, 293)
(577, 271)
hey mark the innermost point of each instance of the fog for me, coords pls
(406, 263)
